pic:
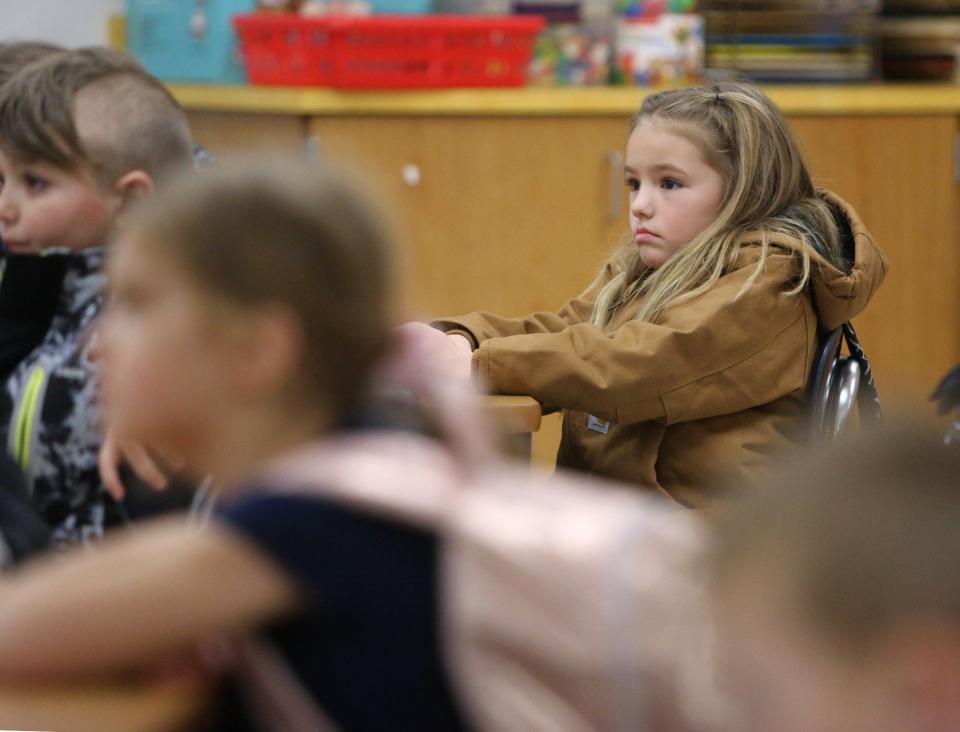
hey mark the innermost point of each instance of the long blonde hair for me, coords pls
(768, 190)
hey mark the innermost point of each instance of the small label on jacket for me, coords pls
(597, 425)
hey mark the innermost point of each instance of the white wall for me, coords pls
(67, 22)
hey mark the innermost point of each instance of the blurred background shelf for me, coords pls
(793, 40)
(885, 98)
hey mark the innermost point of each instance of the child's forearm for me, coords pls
(134, 599)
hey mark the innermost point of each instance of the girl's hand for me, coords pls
(113, 452)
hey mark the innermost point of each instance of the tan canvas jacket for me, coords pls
(715, 389)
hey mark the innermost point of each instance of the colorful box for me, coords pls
(187, 40)
(668, 49)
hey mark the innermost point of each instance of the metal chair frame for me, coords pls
(834, 387)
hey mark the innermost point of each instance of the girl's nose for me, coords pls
(641, 203)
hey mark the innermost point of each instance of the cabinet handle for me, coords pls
(615, 161)
(956, 158)
(411, 174)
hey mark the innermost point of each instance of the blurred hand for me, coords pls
(145, 464)
(425, 352)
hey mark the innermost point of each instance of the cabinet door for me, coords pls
(510, 215)
(898, 172)
(224, 133)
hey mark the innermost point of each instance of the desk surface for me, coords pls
(513, 414)
(864, 99)
(99, 707)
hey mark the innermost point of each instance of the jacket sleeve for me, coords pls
(480, 326)
(716, 354)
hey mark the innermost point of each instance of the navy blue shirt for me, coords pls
(368, 645)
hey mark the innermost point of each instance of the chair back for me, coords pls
(835, 385)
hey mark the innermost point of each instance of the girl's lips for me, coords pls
(644, 235)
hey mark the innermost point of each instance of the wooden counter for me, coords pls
(100, 707)
(908, 99)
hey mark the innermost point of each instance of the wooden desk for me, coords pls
(516, 418)
(102, 707)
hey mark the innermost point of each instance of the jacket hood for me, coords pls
(840, 295)
(841, 290)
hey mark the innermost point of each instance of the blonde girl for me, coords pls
(688, 357)
(247, 308)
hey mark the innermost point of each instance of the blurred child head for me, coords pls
(251, 294)
(704, 166)
(81, 133)
(15, 55)
(838, 592)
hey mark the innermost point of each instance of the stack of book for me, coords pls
(919, 39)
(792, 40)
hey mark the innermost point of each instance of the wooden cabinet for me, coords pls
(504, 214)
(898, 172)
(225, 133)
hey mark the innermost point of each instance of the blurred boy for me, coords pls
(82, 134)
(838, 592)
(30, 285)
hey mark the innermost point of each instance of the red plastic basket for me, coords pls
(387, 51)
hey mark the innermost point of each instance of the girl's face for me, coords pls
(674, 193)
(162, 354)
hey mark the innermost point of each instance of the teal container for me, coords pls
(400, 7)
(187, 40)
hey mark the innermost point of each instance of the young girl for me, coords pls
(247, 307)
(688, 356)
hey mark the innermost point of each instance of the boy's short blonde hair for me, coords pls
(16, 55)
(132, 120)
(868, 535)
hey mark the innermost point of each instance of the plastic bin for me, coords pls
(187, 40)
(401, 7)
(387, 52)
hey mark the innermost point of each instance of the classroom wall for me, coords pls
(67, 22)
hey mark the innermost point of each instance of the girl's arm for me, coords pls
(717, 354)
(135, 598)
(478, 327)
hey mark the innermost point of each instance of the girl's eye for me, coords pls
(633, 184)
(671, 185)
(34, 182)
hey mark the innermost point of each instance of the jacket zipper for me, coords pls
(26, 418)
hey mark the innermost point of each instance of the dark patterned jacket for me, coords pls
(48, 415)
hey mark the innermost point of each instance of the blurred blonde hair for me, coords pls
(268, 231)
(768, 190)
(865, 533)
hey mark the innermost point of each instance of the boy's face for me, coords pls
(783, 675)
(43, 206)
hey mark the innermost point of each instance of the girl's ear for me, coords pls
(268, 351)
